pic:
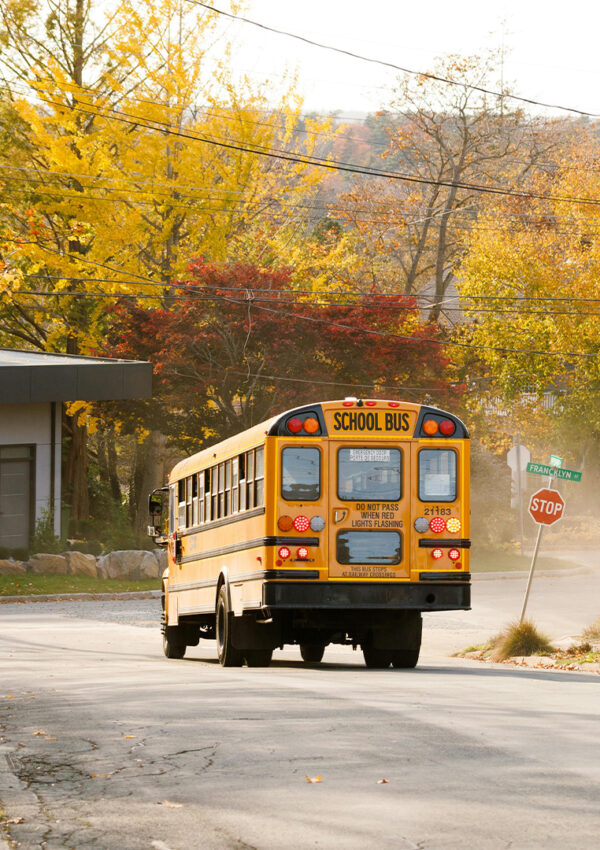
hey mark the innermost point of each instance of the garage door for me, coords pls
(16, 496)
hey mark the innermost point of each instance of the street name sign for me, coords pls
(554, 471)
(546, 506)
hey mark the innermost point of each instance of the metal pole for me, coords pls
(534, 558)
(520, 491)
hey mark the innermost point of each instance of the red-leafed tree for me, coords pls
(237, 344)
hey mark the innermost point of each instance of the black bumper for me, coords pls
(366, 596)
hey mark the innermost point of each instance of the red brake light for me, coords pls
(447, 428)
(454, 554)
(301, 523)
(436, 554)
(284, 552)
(302, 553)
(294, 425)
(437, 524)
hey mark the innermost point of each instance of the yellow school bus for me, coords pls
(335, 522)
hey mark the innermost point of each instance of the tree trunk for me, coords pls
(75, 482)
(148, 473)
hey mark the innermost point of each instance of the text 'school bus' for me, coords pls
(337, 522)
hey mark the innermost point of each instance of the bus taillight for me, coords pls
(301, 523)
(437, 524)
(302, 553)
(285, 523)
(454, 554)
(453, 524)
(436, 554)
(284, 552)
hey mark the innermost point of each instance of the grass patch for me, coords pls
(34, 585)
(520, 639)
(592, 632)
(492, 560)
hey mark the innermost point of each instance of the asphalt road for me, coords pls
(106, 744)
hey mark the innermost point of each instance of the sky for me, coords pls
(551, 47)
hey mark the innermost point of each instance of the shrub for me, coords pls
(592, 632)
(520, 639)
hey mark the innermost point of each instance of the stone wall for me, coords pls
(127, 563)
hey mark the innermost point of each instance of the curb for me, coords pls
(74, 597)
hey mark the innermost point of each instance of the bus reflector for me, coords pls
(454, 554)
(284, 552)
(302, 553)
(447, 427)
(453, 524)
(311, 425)
(437, 524)
(294, 425)
(317, 523)
(285, 523)
(301, 523)
(430, 427)
(436, 554)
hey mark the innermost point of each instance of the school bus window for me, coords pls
(188, 502)
(207, 513)
(259, 477)
(172, 508)
(437, 475)
(369, 474)
(227, 487)
(235, 465)
(369, 547)
(200, 497)
(300, 474)
(214, 489)
(181, 501)
(242, 460)
(249, 480)
(195, 500)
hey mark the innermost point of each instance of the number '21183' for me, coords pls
(435, 510)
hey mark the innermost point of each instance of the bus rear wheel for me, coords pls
(174, 641)
(405, 658)
(377, 658)
(312, 653)
(229, 656)
(258, 657)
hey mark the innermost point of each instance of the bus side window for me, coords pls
(207, 513)
(194, 499)
(188, 502)
(227, 487)
(200, 487)
(221, 490)
(242, 482)
(259, 478)
(235, 465)
(181, 502)
(214, 489)
(249, 480)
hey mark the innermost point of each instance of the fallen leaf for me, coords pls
(313, 779)
(382, 781)
(11, 821)
(10, 696)
(130, 736)
(49, 738)
(40, 732)
(99, 775)
(169, 804)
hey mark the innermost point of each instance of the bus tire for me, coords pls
(312, 653)
(377, 659)
(258, 657)
(174, 642)
(229, 656)
(405, 659)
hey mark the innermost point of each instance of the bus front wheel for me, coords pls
(229, 656)
(174, 642)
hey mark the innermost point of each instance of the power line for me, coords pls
(395, 67)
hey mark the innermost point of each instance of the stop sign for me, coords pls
(546, 506)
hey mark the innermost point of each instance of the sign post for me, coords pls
(545, 507)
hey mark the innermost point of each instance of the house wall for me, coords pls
(37, 424)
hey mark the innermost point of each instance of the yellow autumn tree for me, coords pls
(133, 149)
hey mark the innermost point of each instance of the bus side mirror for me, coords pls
(155, 509)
